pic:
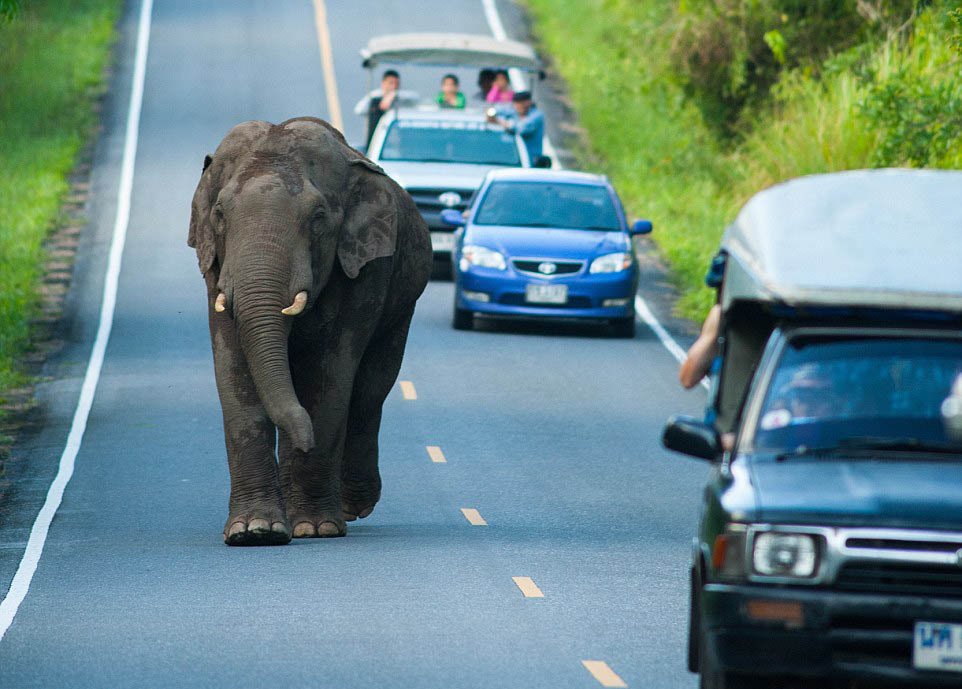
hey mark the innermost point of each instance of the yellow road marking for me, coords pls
(605, 675)
(407, 389)
(528, 587)
(327, 64)
(473, 516)
(434, 452)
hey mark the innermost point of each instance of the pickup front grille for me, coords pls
(913, 579)
(429, 199)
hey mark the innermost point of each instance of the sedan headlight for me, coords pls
(777, 554)
(611, 263)
(473, 255)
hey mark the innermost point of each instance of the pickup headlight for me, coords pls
(473, 255)
(777, 554)
(611, 263)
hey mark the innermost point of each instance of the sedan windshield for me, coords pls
(548, 204)
(872, 394)
(450, 142)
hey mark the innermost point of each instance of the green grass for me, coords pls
(52, 60)
(649, 137)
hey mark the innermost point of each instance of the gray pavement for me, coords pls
(550, 432)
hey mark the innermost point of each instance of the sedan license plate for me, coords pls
(442, 241)
(546, 294)
(937, 646)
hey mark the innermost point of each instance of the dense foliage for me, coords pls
(691, 106)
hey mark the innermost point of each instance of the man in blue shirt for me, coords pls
(526, 120)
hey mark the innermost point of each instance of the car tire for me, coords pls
(623, 327)
(694, 621)
(462, 319)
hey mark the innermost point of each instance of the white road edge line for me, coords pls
(38, 534)
(518, 83)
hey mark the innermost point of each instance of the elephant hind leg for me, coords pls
(376, 375)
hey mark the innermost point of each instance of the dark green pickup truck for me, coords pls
(829, 551)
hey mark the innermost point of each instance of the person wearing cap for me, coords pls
(524, 119)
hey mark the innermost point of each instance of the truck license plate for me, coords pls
(442, 241)
(938, 646)
(546, 294)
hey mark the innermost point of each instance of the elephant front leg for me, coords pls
(256, 509)
(311, 480)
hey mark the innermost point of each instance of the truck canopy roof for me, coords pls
(866, 238)
(449, 50)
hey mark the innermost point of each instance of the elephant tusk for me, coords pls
(219, 304)
(300, 301)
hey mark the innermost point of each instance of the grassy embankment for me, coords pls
(52, 61)
(869, 106)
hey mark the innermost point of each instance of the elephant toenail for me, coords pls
(304, 530)
(348, 517)
(279, 527)
(328, 529)
(236, 528)
(259, 526)
(366, 513)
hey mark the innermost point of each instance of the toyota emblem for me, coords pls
(547, 268)
(450, 199)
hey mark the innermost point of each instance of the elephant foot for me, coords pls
(318, 526)
(357, 502)
(256, 529)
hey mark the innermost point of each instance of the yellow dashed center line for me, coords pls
(434, 452)
(408, 391)
(528, 587)
(473, 516)
(605, 675)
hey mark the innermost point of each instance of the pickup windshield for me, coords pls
(429, 141)
(862, 394)
(548, 204)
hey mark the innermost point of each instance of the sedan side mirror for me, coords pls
(641, 227)
(692, 437)
(542, 161)
(452, 217)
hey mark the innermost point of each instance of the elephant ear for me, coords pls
(201, 234)
(370, 218)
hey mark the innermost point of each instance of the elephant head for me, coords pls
(278, 208)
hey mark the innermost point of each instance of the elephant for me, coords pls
(313, 260)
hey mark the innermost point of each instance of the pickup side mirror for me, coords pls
(692, 437)
(641, 227)
(452, 217)
(542, 161)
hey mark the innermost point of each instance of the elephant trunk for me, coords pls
(264, 332)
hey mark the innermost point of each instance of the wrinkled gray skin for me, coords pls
(281, 209)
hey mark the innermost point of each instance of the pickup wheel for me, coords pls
(713, 677)
(462, 319)
(694, 621)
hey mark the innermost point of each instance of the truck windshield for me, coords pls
(544, 204)
(861, 394)
(431, 141)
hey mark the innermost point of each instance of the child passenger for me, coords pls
(450, 95)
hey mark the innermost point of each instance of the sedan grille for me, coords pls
(547, 267)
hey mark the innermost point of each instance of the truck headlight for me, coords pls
(611, 263)
(777, 554)
(473, 255)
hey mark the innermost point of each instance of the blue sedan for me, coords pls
(545, 243)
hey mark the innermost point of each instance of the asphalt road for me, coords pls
(550, 433)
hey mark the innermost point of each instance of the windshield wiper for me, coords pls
(907, 443)
(860, 445)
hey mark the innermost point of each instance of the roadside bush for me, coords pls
(730, 53)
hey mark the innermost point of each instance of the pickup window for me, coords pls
(425, 141)
(872, 394)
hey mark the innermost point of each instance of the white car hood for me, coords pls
(454, 176)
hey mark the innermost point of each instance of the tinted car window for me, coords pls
(450, 142)
(541, 204)
(859, 392)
